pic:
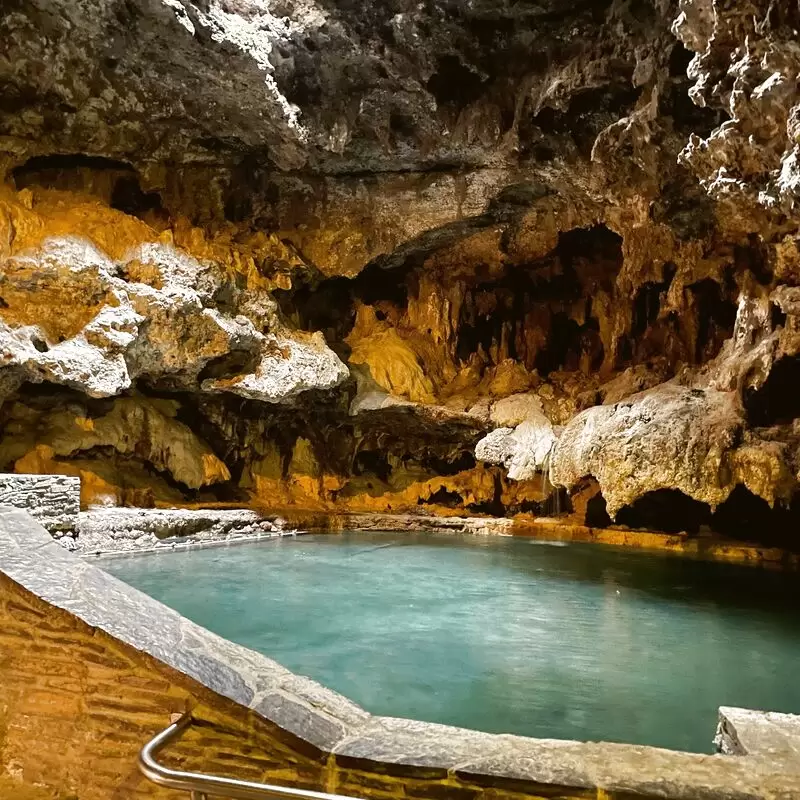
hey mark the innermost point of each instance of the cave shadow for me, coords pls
(71, 171)
(777, 401)
(667, 511)
(743, 517)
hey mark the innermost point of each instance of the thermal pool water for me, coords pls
(502, 635)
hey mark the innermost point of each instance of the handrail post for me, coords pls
(202, 786)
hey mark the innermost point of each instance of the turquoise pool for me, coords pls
(502, 635)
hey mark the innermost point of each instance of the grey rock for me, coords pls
(130, 530)
(53, 500)
(304, 721)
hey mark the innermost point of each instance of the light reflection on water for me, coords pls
(500, 634)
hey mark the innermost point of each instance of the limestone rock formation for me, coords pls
(148, 314)
(461, 256)
(670, 437)
(525, 448)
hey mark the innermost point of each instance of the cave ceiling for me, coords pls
(457, 256)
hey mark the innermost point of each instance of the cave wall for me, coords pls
(488, 257)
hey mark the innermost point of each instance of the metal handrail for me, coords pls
(201, 785)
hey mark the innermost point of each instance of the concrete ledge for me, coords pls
(365, 755)
(768, 734)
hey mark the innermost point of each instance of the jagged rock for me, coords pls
(497, 447)
(515, 409)
(136, 427)
(524, 449)
(669, 437)
(158, 322)
(534, 440)
(747, 63)
(345, 251)
(287, 367)
(632, 381)
(131, 530)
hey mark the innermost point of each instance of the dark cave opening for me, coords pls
(596, 513)
(777, 316)
(686, 115)
(654, 333)
(484, 321)
(596, 244)
(743, 516)
(90, 174)
(679, 59)
(372, 462)
(538, 313)
(563, 342)
(746, 517)
(47, 396)
(528, 313)
(454, 83)
(777, 401)
(444, 466)
(443, 497)
(754, 258)
(326, 307)
(668, 510)
(716, 316)
(646, 306)
(402, 125)
(128, 197)
(39, 344)
(237, 362)
(587, 113)
(329, 305)
(48, 171)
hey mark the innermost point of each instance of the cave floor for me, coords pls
(703, 546)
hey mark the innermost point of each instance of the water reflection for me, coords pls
(503, 635)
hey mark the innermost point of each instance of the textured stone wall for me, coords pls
(53, 500)
(76, 707)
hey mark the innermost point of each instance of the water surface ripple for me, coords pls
(502, 635)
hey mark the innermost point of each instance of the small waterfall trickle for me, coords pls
(551, 494)
(545, 467)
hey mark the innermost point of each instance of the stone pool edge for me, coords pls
(678, 545)
(706, 548)
(351, 737)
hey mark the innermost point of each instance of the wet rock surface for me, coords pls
(460, 258)
(135, 530)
